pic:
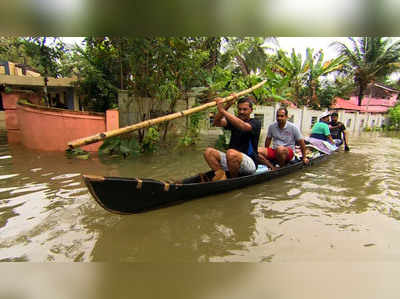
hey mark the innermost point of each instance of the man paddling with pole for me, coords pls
(241, 156)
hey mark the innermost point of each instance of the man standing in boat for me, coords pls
(241, 156)
(284, 135)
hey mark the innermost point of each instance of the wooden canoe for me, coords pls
(132, 195)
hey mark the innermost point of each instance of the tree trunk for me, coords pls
(243, 66)
(166, 125)
(46, 95)
(314, 98)
(360, 95)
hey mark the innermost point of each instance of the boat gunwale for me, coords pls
(239, 178)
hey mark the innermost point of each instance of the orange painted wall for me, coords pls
(51, 129)
(11, 120)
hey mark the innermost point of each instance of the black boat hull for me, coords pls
(132, 195)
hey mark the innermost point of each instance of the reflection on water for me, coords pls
(344, 209)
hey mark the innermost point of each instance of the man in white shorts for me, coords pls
(242, 156)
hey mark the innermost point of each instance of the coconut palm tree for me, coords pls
(248, 53)
(371, 58)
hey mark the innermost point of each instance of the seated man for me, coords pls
(320, 130)
(241, 156)
(338, 129)
(284, 135)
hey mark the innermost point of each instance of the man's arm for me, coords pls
(303, 150)
(268, 142)
(224, 116)
(219, 119)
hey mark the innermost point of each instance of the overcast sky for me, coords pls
(300, 44)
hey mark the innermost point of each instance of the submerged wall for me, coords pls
(50, 129)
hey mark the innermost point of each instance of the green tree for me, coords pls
(167, 68)
(247, 54)
(318, 68)
(371, 59)
(394, 117)
(11, 49)
(296, 70)
(45, 57)
(97, 66)
(328, 90)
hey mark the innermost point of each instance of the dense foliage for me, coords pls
(394, 117)
(172, 68)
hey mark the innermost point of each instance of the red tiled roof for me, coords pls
(367, 105)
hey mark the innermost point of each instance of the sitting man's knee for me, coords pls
(281, 150)
(233, 155)
(208, 151)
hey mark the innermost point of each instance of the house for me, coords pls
(27, 83)
(378, 98)
(14, 69)
(39, 127)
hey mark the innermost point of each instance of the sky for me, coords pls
(300, 44)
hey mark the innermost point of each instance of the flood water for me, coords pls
(343, 210)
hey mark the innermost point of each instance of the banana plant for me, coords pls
(295, 69)
(317, 68)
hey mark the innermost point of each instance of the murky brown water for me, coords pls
(344, 210)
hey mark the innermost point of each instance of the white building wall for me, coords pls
(303, 118)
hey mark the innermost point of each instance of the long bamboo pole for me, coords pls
(147, 123)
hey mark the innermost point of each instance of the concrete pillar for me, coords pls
(356, 122)
(112, 119)
(76, 100)
(62, 98)
(70, 99)
(11, 118)
(123, 104)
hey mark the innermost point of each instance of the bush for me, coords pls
(150, 140)
(77, 153)
(120, 146)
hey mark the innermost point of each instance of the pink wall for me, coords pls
(50, 129)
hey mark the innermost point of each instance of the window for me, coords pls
(313, 120)
(362, 124)
(348, 123)
(211, 116)
(373, 123)
(261, 118)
